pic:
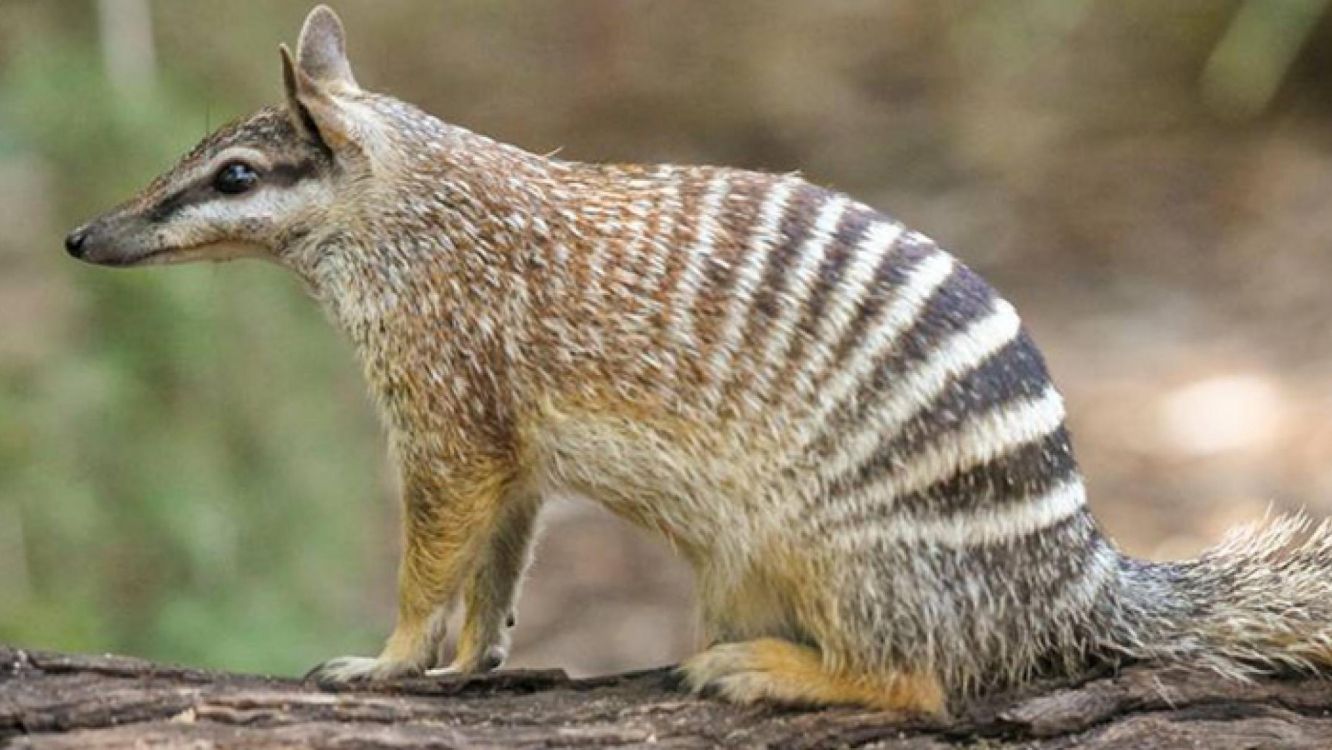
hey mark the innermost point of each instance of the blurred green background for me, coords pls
(189, 469)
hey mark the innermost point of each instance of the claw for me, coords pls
(489, 661)
(493, 659)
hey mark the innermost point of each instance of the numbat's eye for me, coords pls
(235, 177)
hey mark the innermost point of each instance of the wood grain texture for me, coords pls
(50, 700)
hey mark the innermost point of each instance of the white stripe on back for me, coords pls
(846, 299)
(918, 388)
(661, 246)
(681, 307)
(627, 271)
(982, 527)
(889, 323)
(656, 248)
(762, 240)
(979, 440)
(795, 296)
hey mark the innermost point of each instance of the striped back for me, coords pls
(910, 382)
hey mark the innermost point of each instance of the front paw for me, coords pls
(488, 660)
(347, 669)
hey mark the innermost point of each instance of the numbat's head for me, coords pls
(284, 183)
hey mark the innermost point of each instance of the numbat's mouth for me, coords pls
(90, 246)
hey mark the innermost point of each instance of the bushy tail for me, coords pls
(1259, 602)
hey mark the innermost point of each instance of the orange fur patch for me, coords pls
(776, 670)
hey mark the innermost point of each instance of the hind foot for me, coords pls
(771, 669)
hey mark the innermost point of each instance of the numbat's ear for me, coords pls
(322, 51)
(316, 80)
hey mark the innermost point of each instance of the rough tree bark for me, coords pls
(50, 700)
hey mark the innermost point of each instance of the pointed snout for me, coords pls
(112, 240)
(123, 239)
(106, 241)
(75, 241)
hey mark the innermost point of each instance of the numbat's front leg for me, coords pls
(445, 529)
(490, 594)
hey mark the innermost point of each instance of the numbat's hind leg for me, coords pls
(776, 670)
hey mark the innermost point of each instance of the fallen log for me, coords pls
(51, 700)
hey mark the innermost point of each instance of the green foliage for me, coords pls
(184, 468)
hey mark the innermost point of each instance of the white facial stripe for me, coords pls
(265, 200)
(201, 222)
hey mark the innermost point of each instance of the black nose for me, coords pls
(74, 241)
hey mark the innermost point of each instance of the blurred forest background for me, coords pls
(189, 467)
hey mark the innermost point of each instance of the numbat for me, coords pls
(845, 431)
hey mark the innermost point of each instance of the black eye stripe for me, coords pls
(176, 201)
(290, 173)
(282, 174)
